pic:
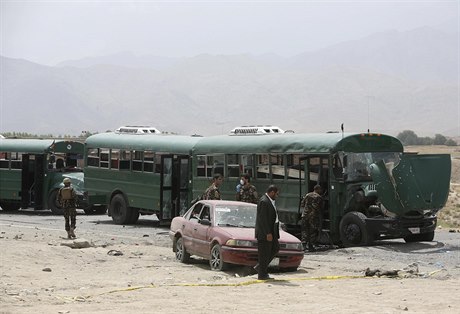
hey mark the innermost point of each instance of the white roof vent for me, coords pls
(134, 129)
(256, 129)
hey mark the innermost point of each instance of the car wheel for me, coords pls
(181, 253)
(353, 231)
(216, 261)
(428, 237)
(53, 203)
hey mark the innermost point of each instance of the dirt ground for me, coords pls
(40, 273)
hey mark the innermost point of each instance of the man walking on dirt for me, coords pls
(67, 199)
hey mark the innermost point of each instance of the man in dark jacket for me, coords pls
(267, 231)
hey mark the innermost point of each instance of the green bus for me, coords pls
(372, 190)
(32, 170)
(135, 174)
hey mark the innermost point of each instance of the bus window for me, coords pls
(277, 166)
(104, 158)
(137, 160)
(294, 164)
(4, 162)
(233, 166)
(263, 170)
(247, 164)
(125, 160)
(114, 159)
(337, 165)
(214, 165)
(149, 158)
(92, 157)
(16, 160)
(201, 166)
(157, 163)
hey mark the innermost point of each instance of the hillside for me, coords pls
(359, 83)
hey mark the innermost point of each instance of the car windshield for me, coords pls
(236, 216)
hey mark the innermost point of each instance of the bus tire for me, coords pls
(353, 231)
(119, 209)
(134, 217)
(53, 203)
(422, 237)
(9, 206)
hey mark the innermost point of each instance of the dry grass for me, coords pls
(449, 216)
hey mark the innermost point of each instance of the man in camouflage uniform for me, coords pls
(212, 192)
(67, 199)
(246, 192)
(312, 203)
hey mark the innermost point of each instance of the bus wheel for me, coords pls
(119, 210)
(53, 203)
(9, 207)
(181, 253)
(428, 237)
(134, 217)
(353, 231)
(216, 261)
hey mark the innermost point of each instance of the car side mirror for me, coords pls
(205, 222)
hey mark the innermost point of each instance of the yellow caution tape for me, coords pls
(236, 284)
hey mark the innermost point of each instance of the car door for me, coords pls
(201, 240)
(190, 227)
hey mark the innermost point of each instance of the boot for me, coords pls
(72, 233)
(69, 234)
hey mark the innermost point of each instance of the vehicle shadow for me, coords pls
(141, 223)
(244, 271)
(30, 212)
(415, 247)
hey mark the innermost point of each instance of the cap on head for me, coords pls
(66, 181)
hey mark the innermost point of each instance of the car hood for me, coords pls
(249, 234)
(417, 183)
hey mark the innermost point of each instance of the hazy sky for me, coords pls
(49, 32)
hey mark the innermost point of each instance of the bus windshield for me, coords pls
(357, 164)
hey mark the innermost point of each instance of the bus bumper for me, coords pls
(391, 228)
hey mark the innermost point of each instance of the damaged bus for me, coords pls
(32, 170)
(372, 189)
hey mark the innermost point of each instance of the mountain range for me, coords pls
(387, 82)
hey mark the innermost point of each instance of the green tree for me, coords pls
(451, 142)
(439, 139)
(408, 137)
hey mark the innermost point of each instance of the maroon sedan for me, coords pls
(223, 233)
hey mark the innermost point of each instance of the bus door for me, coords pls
(174, 186)
(318, 173)
(26, 180)
(32, 176)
